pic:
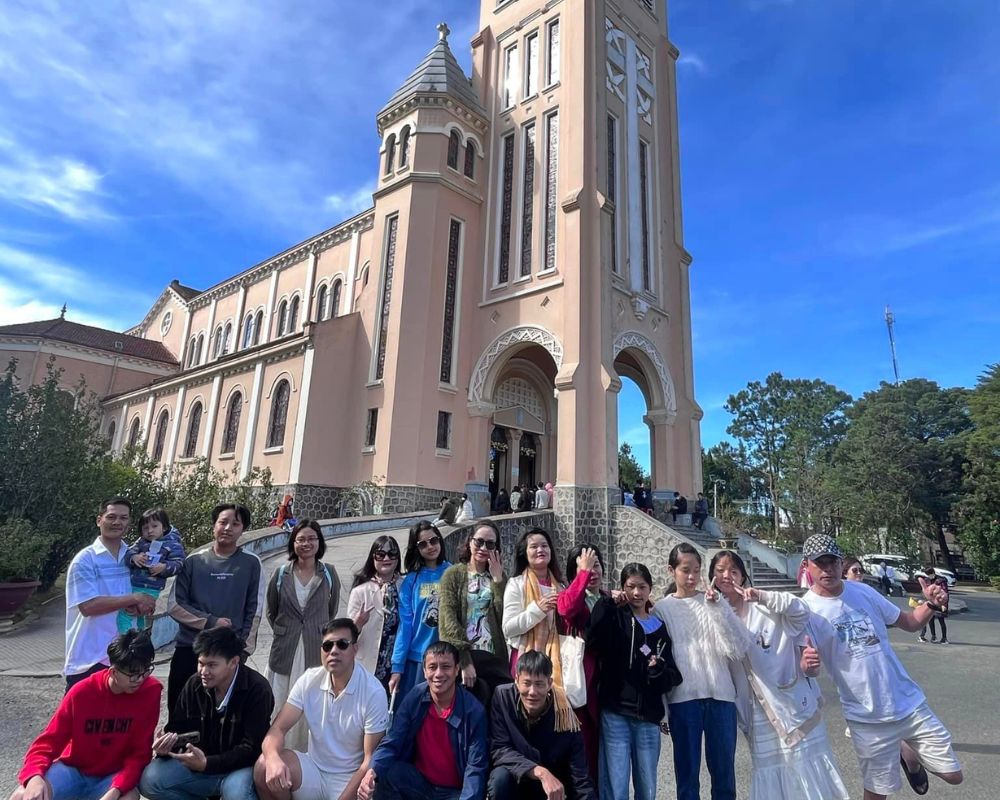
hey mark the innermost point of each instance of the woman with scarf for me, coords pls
(374, 607)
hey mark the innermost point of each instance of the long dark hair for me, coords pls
(575, 553)
(465, 550)
(521, 554)
(737, 562)
(413, 561)
(683, 549)
(367, 571)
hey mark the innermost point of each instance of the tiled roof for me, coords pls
(185, 292)
(63, 330)
(438, 72)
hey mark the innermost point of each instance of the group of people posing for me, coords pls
(462, 681)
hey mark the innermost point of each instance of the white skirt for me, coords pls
(806, 771)
(298, 737)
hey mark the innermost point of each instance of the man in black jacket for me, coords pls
(227, 706)
(531, 759)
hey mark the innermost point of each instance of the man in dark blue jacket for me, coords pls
(436, 747)
(532, 758)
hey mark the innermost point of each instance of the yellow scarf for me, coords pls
(565, 716)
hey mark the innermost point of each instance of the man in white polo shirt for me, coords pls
(347, 715)
(97, 587)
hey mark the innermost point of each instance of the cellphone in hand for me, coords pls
(184, 739)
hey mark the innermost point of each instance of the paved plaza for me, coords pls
(960, 681)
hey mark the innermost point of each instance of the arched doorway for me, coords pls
(526, 460)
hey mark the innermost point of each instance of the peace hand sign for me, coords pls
(712, 593)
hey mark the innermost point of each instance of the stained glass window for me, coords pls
(282, 317)
(293, 314)
(133, 434)
(279, 414)
(454, 141)
(392, 224)
(338, 287)
(551, 178)
(443, 438)
(232, 429)
(194, 427)
(111, 434)
(528, 200)
(371, 427)
(552, 57)
(450, 291)
(470, 159)
(161, 435)
(247, 331)
(506, 208)
(321, 298)
(404, 147)
(258, 324)
(390, 153)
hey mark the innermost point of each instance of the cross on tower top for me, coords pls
(443, 31)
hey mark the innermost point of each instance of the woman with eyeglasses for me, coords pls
(853, 569)
(472, 612)
(301, 596)
(374, 607)
(424, 564)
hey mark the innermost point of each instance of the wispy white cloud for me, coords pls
(347, 204)
(693, 62)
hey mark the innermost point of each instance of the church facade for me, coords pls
(470, 331)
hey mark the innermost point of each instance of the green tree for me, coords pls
(980, 506)
(630, 471)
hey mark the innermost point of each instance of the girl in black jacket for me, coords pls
(636, 668)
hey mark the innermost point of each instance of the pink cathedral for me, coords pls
(469, 331)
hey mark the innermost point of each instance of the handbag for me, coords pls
(574, 679)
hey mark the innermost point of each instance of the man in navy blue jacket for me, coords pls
(437, 746)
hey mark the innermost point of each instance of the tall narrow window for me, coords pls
(161, 435)
(282, 317)
(510, 76)
(338, 288)
(551, 178)
(227, 338)
(528, 200)
(194, 428)
(247, 331)
(133, 433)
(392, 225)
(111, 435)
(279, 415)
(454, 141)
(531, 66)
(390, 153)
(201, 346)
(371, 427)
(192, 352)
(443, 438)
(217, 345)
(612, 187)
(258, 325)
(450, 295)
(470, 159)
(506, 208)
(404, 147)
(552, 54)
(322, 296)
(293, 314)
(232, 429)
(644, 192)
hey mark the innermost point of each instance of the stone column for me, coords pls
(661, 431)
(477, 446)
(514, 456)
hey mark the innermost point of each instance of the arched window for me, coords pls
(201, 346)
(194, 428)
(321, 297)
(279, 414)
(282, 317)
(247, 331)
(338, 287)
(233, 412)
(133, 433)
(111, 434)
(161, 435)
(404, 147)
(227, 338)
(454, 140)
(193, 351)
(217, 345)
(470, 159)
(258, 324)
(293, 314)
(390, 153)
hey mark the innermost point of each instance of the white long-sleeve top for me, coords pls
(706, 638)
(518, 619)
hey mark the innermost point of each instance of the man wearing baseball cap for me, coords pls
(891, 724)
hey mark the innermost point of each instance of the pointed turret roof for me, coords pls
(438, 73)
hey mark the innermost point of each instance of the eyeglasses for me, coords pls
(340, 644)
(484, 544)
(423, 545)
(855, 571)
(384, 555)
(308, 540)
(135, 677)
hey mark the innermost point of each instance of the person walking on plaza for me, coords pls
(437, 748)
(472, 612)
(534, 757)
(156, 555)
(346, 711)
(222, 585)
(637, 669)
(98, 586)
(425, 563)
(779, 709)
(890, 722)
(223, 712)
(76, 759)
(374, 607)
(302, 596)
(939, 616)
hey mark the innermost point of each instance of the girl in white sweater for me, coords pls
(707, 638)
(779, 707)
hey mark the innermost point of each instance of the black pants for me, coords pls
(886, 585)
(183, 664)
(72, 680)
(944, 628)
(491, 671)
(504, 786)
(698, 518)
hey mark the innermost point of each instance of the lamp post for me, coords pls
(715, 495)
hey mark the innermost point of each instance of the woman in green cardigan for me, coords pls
(471, 612)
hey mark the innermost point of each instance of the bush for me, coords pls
(24, 549)
(995, 581)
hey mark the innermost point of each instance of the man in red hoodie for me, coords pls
(101, 736)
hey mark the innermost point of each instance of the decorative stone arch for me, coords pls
(198, 398)
(284, 375)
(663, 395)
(488, 367)
(464, 136)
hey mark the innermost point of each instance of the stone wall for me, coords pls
(582, 516)
(401, 499)
(639, 537)
(324, 502)
(511, 526)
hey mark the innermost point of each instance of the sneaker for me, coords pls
(945, 641)
(922, 639)
(933, 639)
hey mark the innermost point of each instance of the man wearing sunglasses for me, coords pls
(347, 715)
(98, 742)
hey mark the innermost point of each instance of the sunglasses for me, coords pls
(428, 543)
(855, 571)
(484, 544)
(340, 644)
(384, 555)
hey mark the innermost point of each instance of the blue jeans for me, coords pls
(166, 779)
(403, 781)
(716, 720)
(630, 747)
(68, 783)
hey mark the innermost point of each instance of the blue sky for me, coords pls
(836, 156)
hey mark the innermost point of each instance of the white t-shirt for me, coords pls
(338, 725)
(93, 572)
(541, 499)
(851, 633)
